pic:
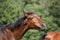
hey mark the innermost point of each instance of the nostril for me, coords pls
(44, 26)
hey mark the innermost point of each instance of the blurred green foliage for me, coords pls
(48, 10)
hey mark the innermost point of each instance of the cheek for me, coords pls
(36, 21)
(32, 25)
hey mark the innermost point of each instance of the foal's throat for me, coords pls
(19, 32)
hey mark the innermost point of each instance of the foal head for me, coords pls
(34, 22)
(52, 36)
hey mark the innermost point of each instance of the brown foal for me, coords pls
(52, 36)
(15, 31)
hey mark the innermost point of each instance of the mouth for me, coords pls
(41, 28)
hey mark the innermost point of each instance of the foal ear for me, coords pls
(25, 14)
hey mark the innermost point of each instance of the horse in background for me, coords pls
(16, 30)
(53, 36)
(50, 35)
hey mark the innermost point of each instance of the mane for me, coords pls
(19, 21)
(13, 25)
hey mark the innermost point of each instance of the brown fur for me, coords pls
(6, 35)
(52, 36)
(15, 31)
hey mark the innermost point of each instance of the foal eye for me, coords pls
(30, 18)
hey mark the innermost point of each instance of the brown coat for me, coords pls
(52, 36)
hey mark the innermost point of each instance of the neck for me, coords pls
(18, 28)
(19, 32)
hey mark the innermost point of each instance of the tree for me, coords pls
(48, 10)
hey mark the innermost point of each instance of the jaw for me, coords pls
(42, 28)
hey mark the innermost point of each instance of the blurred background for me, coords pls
(48, 10)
